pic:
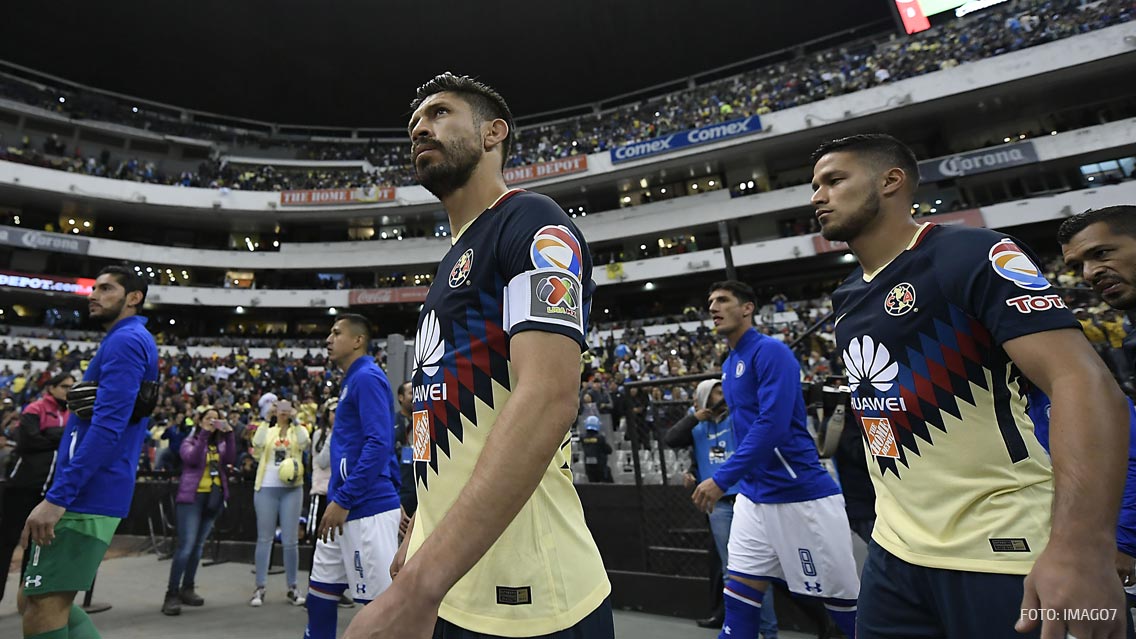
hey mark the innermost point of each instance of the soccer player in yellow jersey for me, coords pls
(942, 331)
(498, 546)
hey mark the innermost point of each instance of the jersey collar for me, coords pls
(504, 196)
(915, 240)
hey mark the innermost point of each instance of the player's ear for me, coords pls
(134, 299)
(495, 132)
(894, 180)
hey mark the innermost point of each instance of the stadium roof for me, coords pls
(357, 62)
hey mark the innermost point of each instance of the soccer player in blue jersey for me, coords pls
(69, 531)
(940, 328)
(358, 534)
(789, 523)
(1101, 244)
(498, 546)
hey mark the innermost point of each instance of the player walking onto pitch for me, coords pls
(940, 329)
(498, 546)
(69, 531)
(789, 522)
(358, 535)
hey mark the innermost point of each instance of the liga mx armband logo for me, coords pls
(548, 296)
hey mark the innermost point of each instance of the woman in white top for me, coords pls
(279, 495)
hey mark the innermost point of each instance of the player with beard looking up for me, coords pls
(498, 546)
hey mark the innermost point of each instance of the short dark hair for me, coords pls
(742, 291)
(360, 324)
(404, 388)
(59, 378)
(487, 104)
(1120, 219)
(884, 148)
(128, 279)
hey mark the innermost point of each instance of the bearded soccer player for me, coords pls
(941, 329)
(498, 546)
(358, 534)
(69, 531)
(1101, 244)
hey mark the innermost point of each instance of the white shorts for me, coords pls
(360, 557)
(806, 544)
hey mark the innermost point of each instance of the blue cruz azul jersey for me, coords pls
(960, 480)
(1038, 410)
(365, 477)
(776, 460)
(98, 459)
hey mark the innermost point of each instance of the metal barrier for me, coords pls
(676, 536)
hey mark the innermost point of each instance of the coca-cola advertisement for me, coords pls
(402, 295)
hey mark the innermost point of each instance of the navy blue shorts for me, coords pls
(597, 625)
(899, 600)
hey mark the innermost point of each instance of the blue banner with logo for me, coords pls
(690, 137)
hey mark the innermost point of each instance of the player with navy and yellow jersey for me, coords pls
(498, 546)
(939, 330)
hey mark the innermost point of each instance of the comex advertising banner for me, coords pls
(692, 137)
(980, 161)
(402, 295)
(970, 217)
(44, 241)
(325, 197)
(47, 283)
(529, 172)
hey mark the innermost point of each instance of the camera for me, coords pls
(828, 407)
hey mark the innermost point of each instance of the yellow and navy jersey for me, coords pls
(961, 481)
(521, 265)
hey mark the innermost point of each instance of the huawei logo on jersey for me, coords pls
(428, 346)
(870, 362)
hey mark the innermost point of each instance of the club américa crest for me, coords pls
(900, 300)
(460, 272)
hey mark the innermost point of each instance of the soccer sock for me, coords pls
(323, 609)
(80, 626)
(743, 611)
(843, 612)
(58, 633)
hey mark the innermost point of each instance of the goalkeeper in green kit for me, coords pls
(69, 531)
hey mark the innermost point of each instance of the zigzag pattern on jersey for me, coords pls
(476, 356)
(937, 375)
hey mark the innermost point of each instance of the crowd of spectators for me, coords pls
(807, 78)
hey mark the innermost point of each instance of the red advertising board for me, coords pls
(331, 197)
(527, 173)
(47, 283)
(402, 295)
(911, 13)
(970, 217)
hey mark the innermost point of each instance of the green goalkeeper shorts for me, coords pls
(69, 564)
